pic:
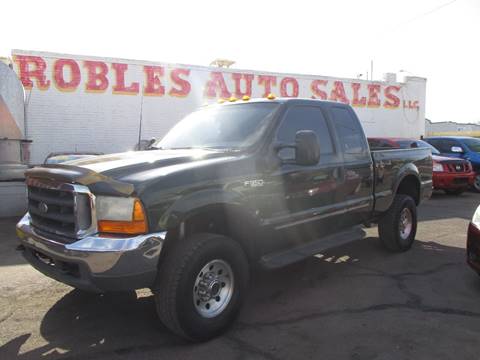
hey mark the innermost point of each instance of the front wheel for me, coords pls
(201, 285)
(476, 183)
(397, 229)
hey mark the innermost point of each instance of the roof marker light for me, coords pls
(232, 99)
(245, 98)
(271, 96)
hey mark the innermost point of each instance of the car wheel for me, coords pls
(455, 192)
(476, 183)
(398, 227)
(201, 285)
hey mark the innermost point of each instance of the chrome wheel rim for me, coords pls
(213, 288)
(406, 223)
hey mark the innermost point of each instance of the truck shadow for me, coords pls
(83, 325)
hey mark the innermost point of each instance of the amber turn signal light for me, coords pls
(138, 224)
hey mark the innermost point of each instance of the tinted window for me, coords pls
(424, 144)
(304, 118)
(444, 145)
(350, 134)
(473, 144)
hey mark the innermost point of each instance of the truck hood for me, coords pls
(440, 158)
(117, 174)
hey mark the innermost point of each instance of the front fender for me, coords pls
(190, 204)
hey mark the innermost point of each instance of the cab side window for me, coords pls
(304, 118)
(445, 145)
(350, 134)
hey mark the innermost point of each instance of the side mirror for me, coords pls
(307, 148)
(456, 149)
(151, 142)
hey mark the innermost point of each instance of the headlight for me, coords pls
(120, 215)
(476, 218)
(437, 167)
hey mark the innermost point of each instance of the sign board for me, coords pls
(85, 103)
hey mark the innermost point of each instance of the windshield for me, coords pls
(422, 143)
(406, 144)
(220, 127)
(473, 144)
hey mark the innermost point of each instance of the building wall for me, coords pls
(451, 128)
(84, 103)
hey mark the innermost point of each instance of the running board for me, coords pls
(287, 257)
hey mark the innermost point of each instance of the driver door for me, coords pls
(303, 199)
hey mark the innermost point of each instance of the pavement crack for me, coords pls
(409, 305)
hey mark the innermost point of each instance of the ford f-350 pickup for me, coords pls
(232, 185)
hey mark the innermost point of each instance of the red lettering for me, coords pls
(373, 99)
(27, 73)
(185, 86)
(120, 87)
(248, 84)
(153, 85)
(317, 93)
(338, 93)
(283, 87)
(393, 101)
(217, 82)
(59, 75)
(267, 81)
(97, 80)
(356, 101)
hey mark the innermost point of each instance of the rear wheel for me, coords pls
(201, 285)
(397, 229)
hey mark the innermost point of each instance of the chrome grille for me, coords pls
(457, 167)
(61, 209)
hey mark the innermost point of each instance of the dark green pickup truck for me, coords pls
(231, 186)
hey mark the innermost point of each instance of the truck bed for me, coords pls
(392, 165)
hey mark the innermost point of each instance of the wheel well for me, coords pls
(410, 186)
(217, 219)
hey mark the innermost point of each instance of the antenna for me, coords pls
(141, 118)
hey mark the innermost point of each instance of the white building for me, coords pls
(85, 103)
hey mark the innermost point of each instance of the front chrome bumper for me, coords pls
(95, 263)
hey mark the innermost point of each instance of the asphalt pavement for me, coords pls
(354, 302)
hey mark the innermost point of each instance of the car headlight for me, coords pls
(437, 167)
(119, 215)
(476, 218)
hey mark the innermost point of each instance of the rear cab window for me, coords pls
(350, 134)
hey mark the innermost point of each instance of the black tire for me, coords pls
(476, 183)
(454, 192)
(390, 228)
(178, 277)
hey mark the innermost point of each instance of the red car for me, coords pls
(473, 242)
(451, 175)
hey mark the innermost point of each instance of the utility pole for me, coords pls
(371, 69)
